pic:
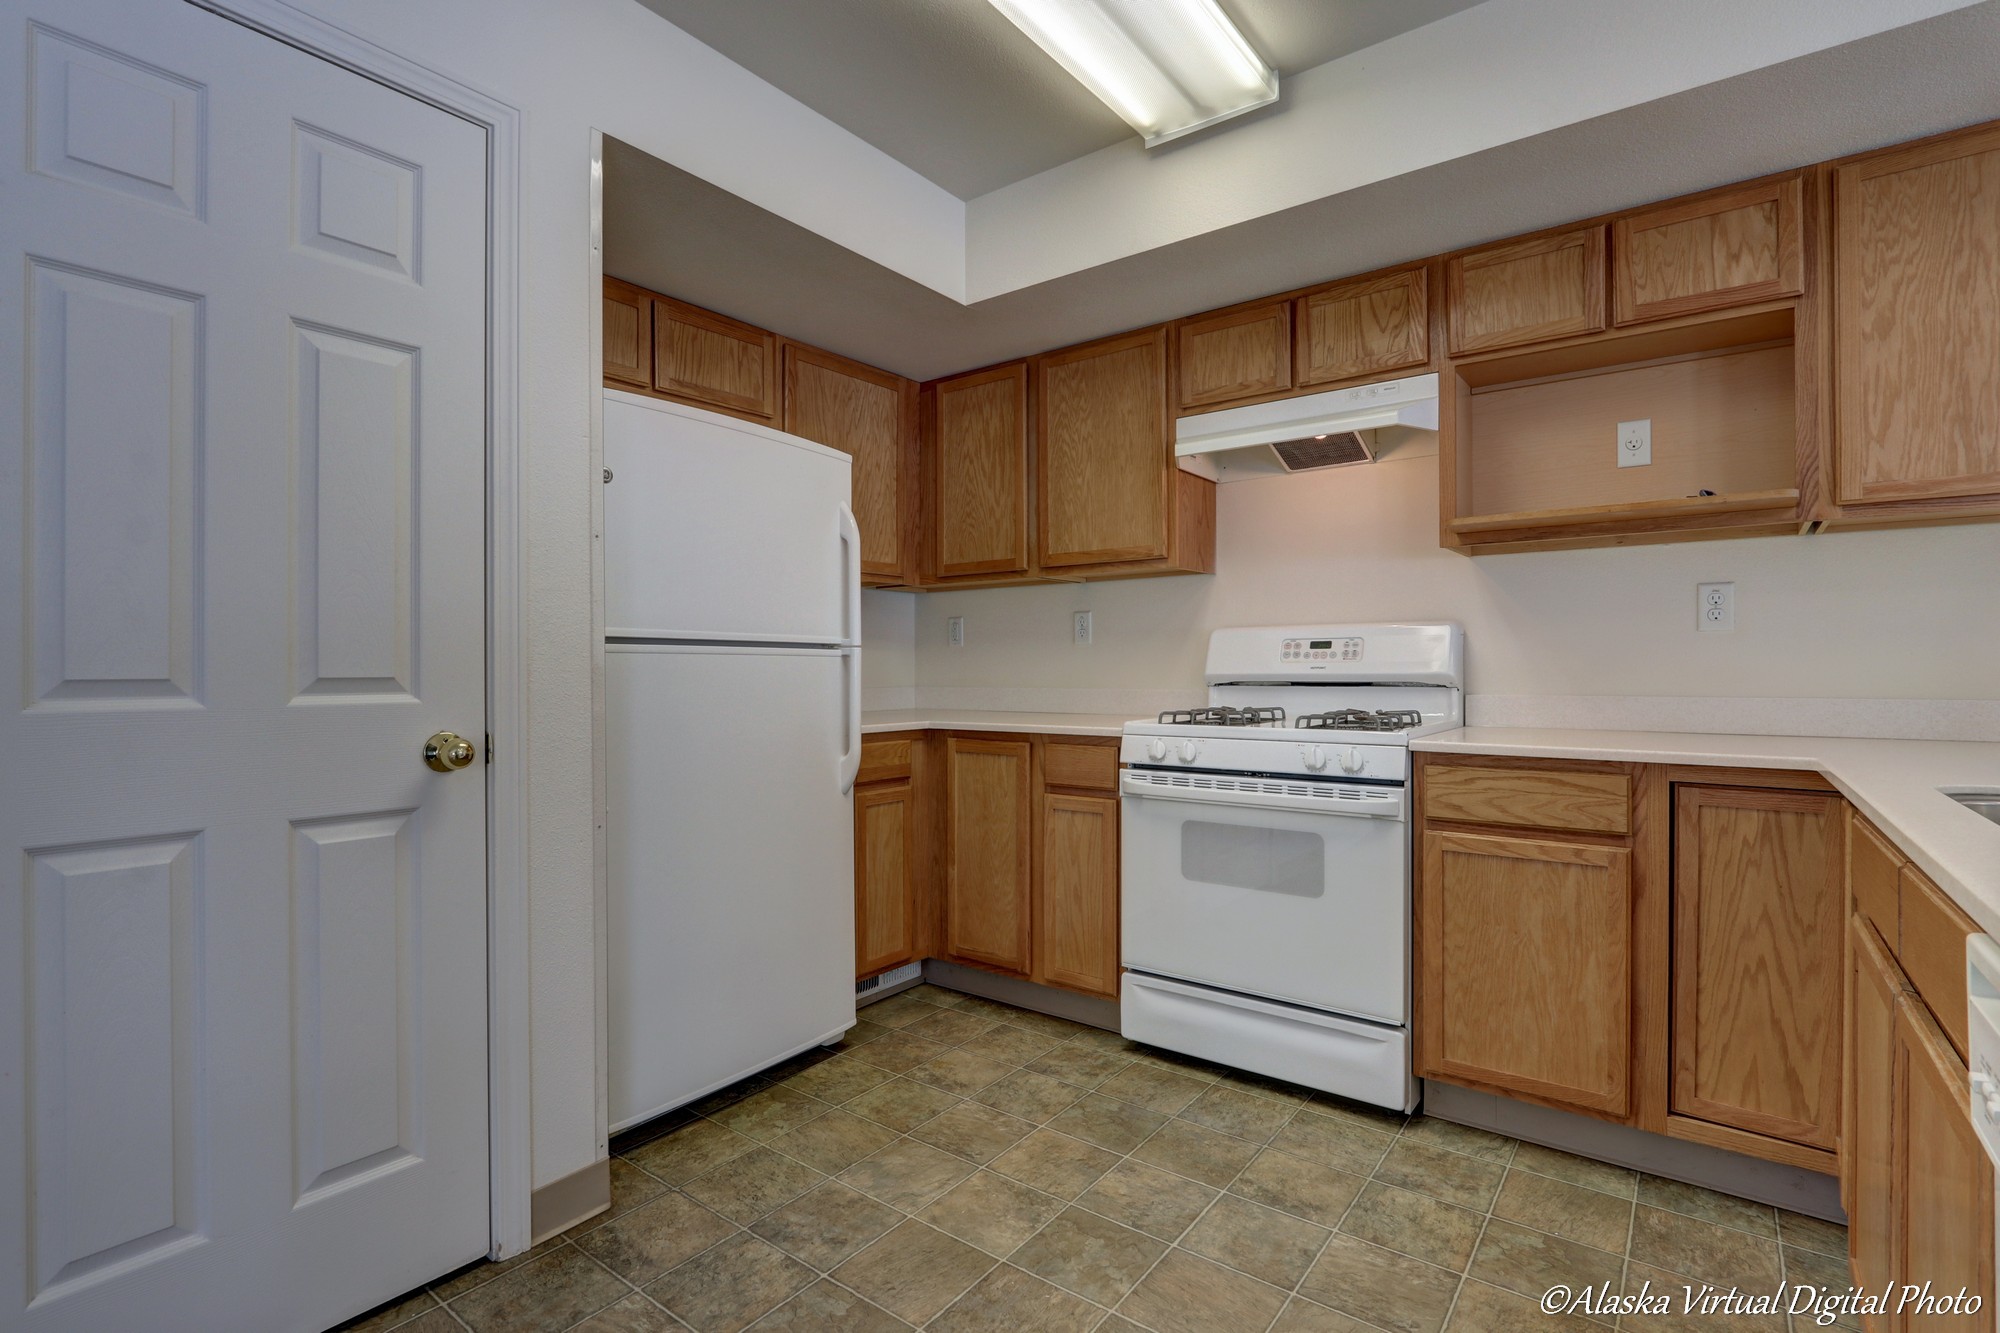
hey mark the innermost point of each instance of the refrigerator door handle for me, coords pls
(850, 758)
(850, 545)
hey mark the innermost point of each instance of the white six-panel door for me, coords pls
(242, 926)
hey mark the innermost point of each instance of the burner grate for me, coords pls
(1361, 719)
(1222, 717)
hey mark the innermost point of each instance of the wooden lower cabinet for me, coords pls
(989, 858)
(1874, 989)
(1076, 915)
(1759, 911)
(1527, 966)
(1942, 1187)
(886, 819)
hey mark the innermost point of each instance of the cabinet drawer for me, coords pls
(1082, 767)
(1529, 798)
(1933, 951)
(1872, 870)
(884, 760)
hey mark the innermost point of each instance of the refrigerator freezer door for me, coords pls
(729, 848)
(718, 529)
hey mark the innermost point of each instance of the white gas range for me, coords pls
(1266, 850)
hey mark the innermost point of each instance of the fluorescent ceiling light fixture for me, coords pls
(1168, 67)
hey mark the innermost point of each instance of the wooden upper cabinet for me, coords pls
(1759, 918)
(978, 440)
(1236, 354)
(885, 876)
(1526, 977)
(713, 361)
(1526, 291)
(628, 334)
(1725, 250)
(1916, 321)
(1103, 452)
(1943, 1187)
(1363, 328)
(869, 415)
(989, 833)
(1076, 916)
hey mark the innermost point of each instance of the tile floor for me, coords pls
(960, 1165)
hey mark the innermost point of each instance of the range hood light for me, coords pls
(1167, 67)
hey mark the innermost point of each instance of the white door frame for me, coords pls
(512, 1160)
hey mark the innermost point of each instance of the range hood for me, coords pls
(1304, 434)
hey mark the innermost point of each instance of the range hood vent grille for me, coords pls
(1318, 451)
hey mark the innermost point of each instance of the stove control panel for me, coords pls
(1321, 650)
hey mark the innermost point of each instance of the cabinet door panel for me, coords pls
(1526, 291)
(1873, 988)
(1238, 355)
(1917, 322)
(979, 466)
(713, 361)
(628, 334)
(1076, 935)
(885, 864)
(1759, 919)
(1103, 451)
(867, 414)
(1944, 1179)
(1527, 967)
(1730, 250)
(988, 857)
(1932, 950)
(1370, 326)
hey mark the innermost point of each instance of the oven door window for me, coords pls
(1268, 860)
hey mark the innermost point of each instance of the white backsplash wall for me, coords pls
(1906, 614)
(888, 649)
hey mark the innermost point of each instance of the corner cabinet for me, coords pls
(871, 416)
(976, 457)
(989, 851)
(1916, 328)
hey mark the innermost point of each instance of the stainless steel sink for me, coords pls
(1985, 802)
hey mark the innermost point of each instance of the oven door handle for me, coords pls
(1245, 793)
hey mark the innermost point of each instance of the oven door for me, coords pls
(1292, 889)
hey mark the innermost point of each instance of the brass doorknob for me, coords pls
(447, 752)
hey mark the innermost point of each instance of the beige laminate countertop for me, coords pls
(972, 719)
(1894, 783)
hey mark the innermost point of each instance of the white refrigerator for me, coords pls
(732, 676)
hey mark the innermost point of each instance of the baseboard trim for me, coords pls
(1085, 1009)
(1792, 1187)
(561, 1204)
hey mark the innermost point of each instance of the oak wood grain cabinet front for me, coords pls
(1874, 989)
(1235, 354)
(885, 876)
(1708, 254)
(628, 334)
(1363, 328)
(1916, 324)
(1530, 291)
(1526, 981)
(1076, 917)
(1103, 451)
(989, 851)
(1942, 1189)
(713, 361)
(1759, 919)
(1581, 800)
(869, 415)
(978, 443)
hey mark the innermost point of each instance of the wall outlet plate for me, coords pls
(1080, 626)
(1635, 443)
(1715, 607)
(954, 631)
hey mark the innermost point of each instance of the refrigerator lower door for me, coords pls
(716, 528)
(729, 846)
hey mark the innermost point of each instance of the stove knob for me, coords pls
(1188, 752)
(1315, 757)
(1156, 751)
(1351, 760)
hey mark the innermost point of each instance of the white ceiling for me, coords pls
(954, 91)
(671, 230)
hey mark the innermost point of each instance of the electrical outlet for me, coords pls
(1080, 626)
(1635, 443)
(954, 631)
(1715, 607)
